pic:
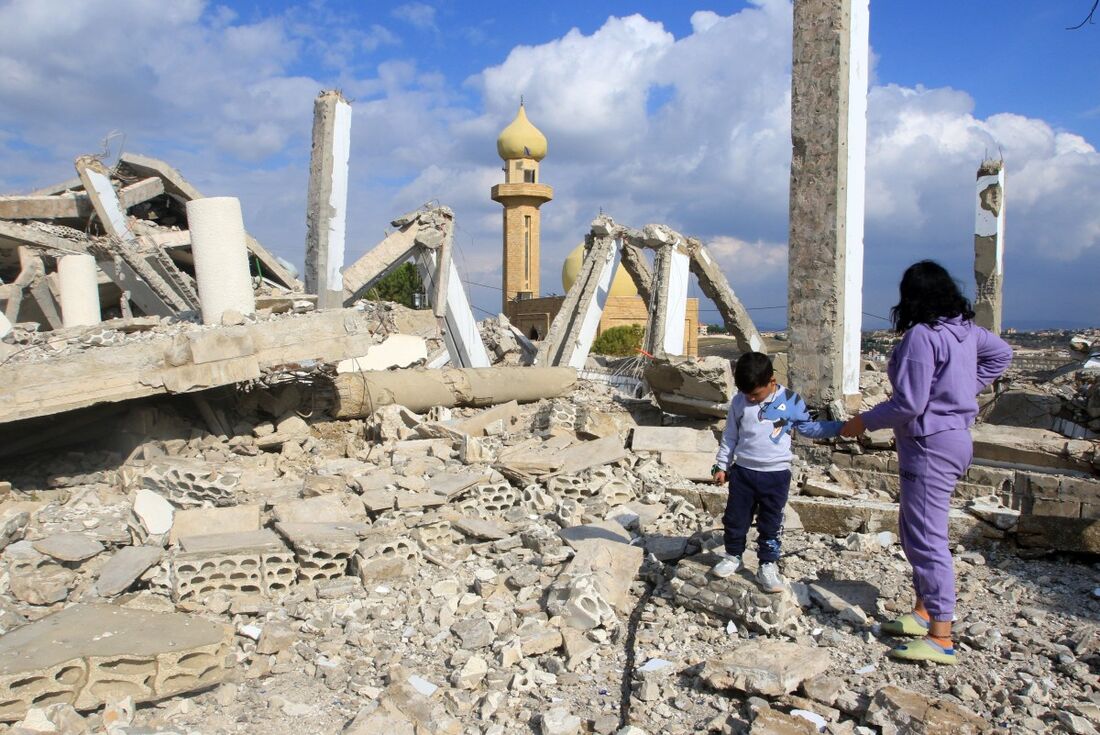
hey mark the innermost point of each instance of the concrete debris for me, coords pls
(897, 711)
(87, 655)
(767, 667)
(500, 549)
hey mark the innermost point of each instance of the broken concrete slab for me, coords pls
(35, 578)
(323, 549)
(70, 547)
(332, 508)
(87, 655)
(125, 567)
(1080, 535)
(154, 512)
(900, 711)
(737, 597)
(767, 667)
(694, 466)
(842, 517)
(673, 439)
(691, 386)
(203, 521)
(166, 364)
(1035, 447)
(588, 454)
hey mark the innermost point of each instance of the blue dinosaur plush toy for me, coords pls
(787, 410)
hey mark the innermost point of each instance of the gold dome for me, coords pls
(521, 139)
(621, 285)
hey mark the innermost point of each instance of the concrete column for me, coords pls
(989, 235)
(221, 257)
(326, 214)
(79, 290)
(829, 137)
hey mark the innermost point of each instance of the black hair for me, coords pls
(753, 370)
(926, 294)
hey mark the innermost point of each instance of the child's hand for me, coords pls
(853, 428)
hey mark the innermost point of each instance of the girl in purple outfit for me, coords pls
(941, 364)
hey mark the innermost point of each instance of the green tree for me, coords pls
(619, 341)
(399, 286)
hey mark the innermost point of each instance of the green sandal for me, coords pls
(908, 624)
(924, 649)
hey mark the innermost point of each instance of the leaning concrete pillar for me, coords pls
(221, 257)
(79, 290)
(829, 136)
(989, 235)
(326, 215)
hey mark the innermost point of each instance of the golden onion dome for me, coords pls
(621, 285)
(521, 139)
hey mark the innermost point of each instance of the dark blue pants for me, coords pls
(762, 495)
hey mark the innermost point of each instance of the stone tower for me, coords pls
(522, 146)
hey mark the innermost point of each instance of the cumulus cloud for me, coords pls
(691, 131)
(420, 15)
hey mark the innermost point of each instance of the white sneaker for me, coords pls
(769, 578)
(727, 567)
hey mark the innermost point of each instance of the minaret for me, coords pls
(522, 146)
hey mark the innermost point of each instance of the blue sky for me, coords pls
(655, 111)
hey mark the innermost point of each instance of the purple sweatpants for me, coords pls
(929, 466)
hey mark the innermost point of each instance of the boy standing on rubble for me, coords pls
(755, 457)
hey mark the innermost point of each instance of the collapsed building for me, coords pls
(234, 501)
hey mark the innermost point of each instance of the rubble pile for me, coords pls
(535, 567)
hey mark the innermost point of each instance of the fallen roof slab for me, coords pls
(193, 360)
(86, 655)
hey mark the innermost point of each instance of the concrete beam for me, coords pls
(392, 252)
(43, 237)
(104, 198)
(635, 264)
(182, 191)
(713, 283)
(570, 337)
(123, 275)
(326, 212)
(668, 301)
(192, 361)
(361, 394)
(989, 235)
(460, 332)
(828, 133)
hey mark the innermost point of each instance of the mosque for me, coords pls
(522, 146)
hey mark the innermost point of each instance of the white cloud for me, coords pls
(420, 15)
(691, 131)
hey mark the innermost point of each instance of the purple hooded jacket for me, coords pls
(937, 372)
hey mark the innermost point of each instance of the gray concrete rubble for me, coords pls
(131, 217)
(88, 655)
(487, 559)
